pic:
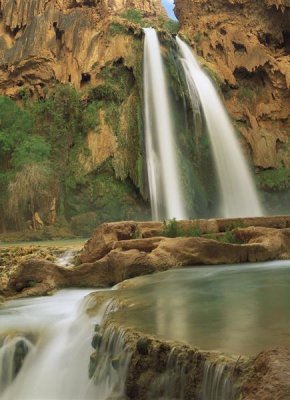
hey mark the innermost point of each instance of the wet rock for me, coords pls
(93, 364)
(143, 345)
(97, 340)
(21, 351)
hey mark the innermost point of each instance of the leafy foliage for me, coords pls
(171, 26)
(40, 147)
(28, 190)
(173, 229)
(133, 15)
(116, 29)
(274, 179)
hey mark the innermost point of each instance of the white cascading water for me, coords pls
(239, 197)
(216, 383)
(56, 366)
(164, 180)
(12, 354)
(66, 259)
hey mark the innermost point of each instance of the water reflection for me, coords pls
(241, 309)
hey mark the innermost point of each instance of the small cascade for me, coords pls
(109, 363)
(163, 172)
(217, 384)
(57, 367)
(66, 259)
(171, 385)
(239, 197)
(60, 365)
(13, 352)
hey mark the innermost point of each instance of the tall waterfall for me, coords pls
(239, 197)
(164, 180)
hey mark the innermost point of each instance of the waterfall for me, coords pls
(56, 366)
(171, 384)
(66, 259)
(216, 383)
(109, 363)
(12, 355)
(163, 174)
(239, 197)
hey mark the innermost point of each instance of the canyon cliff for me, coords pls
(247, 46)
(45, 41)
(96, 47)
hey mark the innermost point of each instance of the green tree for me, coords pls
(18, 148)
(64, 119)
(29, 191)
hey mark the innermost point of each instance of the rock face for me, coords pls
(120, 251)
(270, 376)
(162, 369)
(247, 44)
(45, 41)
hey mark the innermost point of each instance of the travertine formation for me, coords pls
(247, 45)
(48, 41)
(124, 250)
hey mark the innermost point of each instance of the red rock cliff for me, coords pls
(247, 43)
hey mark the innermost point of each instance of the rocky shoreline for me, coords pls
(158, 367)
(120, 251)
(124, 250)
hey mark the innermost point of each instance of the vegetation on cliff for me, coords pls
(42, 144)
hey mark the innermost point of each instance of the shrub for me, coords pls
(274, 179)
(116, 29)
(133, 15)
(173, 229)
(171, 26)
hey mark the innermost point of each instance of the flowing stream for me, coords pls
(46, 347)
(239, 197)
(46, 343)
(163, 171)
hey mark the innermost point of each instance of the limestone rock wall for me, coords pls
(44, 41)
(246, 45)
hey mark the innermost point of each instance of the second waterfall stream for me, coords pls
(238, 196)
(238, 193)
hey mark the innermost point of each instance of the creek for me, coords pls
(46, 342)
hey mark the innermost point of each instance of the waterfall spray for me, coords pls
(164, 178)
(239, 197)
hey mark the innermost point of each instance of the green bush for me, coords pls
(173, 229)
(227, 237)
(116, 29)
(274, 179)
(133, 15)
(105, 91)
(171, 26)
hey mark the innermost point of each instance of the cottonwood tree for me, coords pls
(29, 192)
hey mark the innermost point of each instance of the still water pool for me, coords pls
(238, 309)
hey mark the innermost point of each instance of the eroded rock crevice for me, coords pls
(247, 45)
